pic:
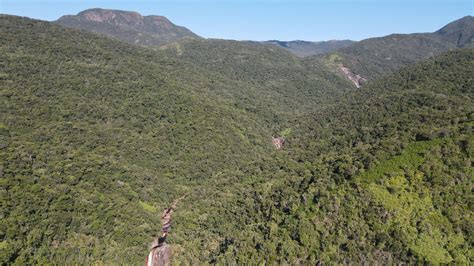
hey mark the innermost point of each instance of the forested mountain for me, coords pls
(274, 74)
(128, 26)
(368, 59)
(98, 136)
(305, 48)
(382, 175)
(375, 57)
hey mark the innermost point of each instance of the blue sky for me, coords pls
(314, 20)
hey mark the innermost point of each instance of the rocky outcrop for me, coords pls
(160, 253)
(357, 80)
(159, 256)
(278, 142)
(127, 26)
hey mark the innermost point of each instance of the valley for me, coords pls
(339, 156)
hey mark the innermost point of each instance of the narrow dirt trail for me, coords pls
(160, 253)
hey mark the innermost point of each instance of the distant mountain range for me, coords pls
(367, 59)
(128, 26)
(305, 48)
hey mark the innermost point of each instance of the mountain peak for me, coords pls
(110, 16)
(462, 23)
(459, 32)
(128, 26)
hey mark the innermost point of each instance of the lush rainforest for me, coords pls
(97, 137)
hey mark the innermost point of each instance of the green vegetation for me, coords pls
(95, 127)
(97, 137)
(381, 175)
(305, 48)
(376, 57)
(409, 160)
(410, 208)
(128, 26)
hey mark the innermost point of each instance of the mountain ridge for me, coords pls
(97, 136)
(128, 26)
(303, 48)
(375, 57)
(459, 32)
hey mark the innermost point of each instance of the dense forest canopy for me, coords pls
(98, 136)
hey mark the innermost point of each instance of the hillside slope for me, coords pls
(277, 75)
(98, 136)
(381, 176)
(375, 57)
(459, 32)
(305, 48)
(128, 26)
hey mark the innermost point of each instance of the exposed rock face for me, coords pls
(159, 256)
(160, 253)
(112, 17)
(278, 142)
(376, 57)
(127, 26)
(356, 79)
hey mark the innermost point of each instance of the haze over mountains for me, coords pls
(100, 132)
(305, 48)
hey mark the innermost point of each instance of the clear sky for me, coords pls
(314, 20)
